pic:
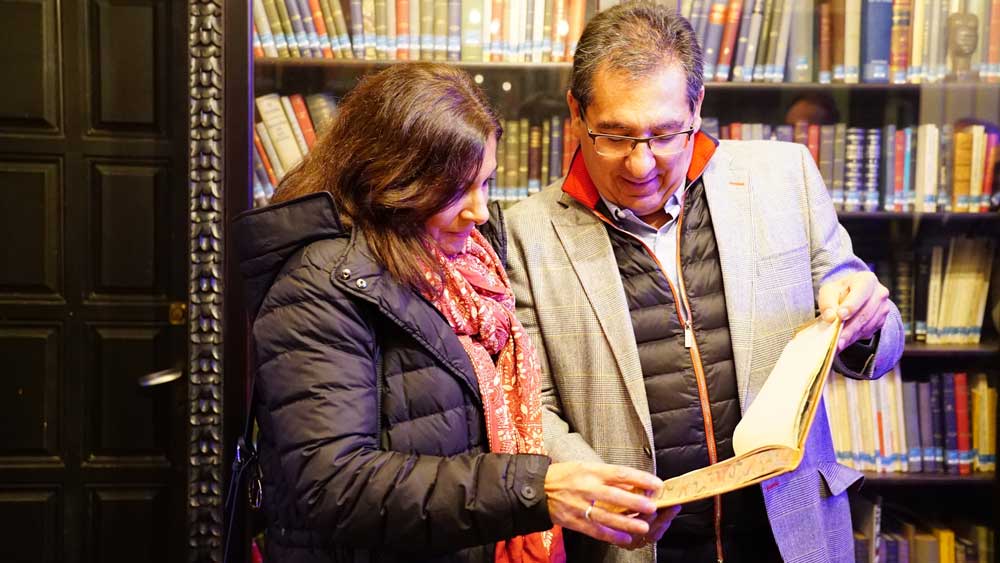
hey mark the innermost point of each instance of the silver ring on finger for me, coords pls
(586, 513)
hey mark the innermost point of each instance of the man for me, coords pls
(660, 281)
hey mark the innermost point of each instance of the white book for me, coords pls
(861, 459)
(265, 140)
(899, 445)
(263, 29)
(852, 41)
(415, 30)
(280, 130)
(936, 40)
(983, 269)
(390, 30)
(300, 139)
(934, 294)
(918, 33)
(928, 137)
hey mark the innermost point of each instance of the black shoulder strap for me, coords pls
(244, 464)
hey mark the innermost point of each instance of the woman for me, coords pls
(397, 393)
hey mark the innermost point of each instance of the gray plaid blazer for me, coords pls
(779, 240)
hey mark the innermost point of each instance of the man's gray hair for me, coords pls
(637, 39)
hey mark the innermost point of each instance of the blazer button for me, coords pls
(647, 451)
(345, 274)
(528, 492)
(361, 284)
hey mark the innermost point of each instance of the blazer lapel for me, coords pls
(728, 192)
(588, 248)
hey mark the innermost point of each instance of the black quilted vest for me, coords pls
(671, 387)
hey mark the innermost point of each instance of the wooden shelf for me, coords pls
(924, 350)
(974, 479)
(909, 215)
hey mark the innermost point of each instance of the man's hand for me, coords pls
(578, 491)
(860, 301)
(658, 525)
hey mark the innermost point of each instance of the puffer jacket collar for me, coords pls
(266, 237)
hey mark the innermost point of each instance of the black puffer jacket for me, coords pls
(372, 435)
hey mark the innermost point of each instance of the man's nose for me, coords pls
(640, 161)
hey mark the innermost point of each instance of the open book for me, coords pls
(768, 441)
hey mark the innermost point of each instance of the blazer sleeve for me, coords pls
(319, 405)
(832, 257)
(561, 442)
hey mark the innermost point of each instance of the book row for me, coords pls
(946, 424)
(924, 168)
(441, 30)
(847, 41)
(884, 533)
(941, 288)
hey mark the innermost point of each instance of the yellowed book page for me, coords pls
(729, 475)
(786, 402)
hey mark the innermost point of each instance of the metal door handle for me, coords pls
(160, 377)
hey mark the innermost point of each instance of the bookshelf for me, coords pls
(889, 231)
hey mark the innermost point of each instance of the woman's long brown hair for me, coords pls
(406, 143)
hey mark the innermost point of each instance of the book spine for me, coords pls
(937, 424)
(297, 134)
(924, 401)
(403, 29)
(876, 41)
(899, 51)
(546, 149)
(962, 427)
(534, 159)
(729, 38)
(310, 26)
(291, 38)
(555, 155)
(301, 35)
(381, 29)
(270, 39)
(264, 160)
(950, 423)
(742, 42)
(837, 38)
(454, 31)
(269, 150)
(302, 117)
(713, 36)
(269, 107)
(887, 184)
(357, 28)
(911, 420)
(944, 169)
(824, 73)
(321, 32)
(763, 41)
(800, 48)
(852, 41)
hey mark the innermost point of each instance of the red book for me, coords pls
(728, 44)
(900, 169)
(403, 29)
(993, 53)
(264, 160)
(962, 423)
(812, 141)
(724, 132)
(736, 131)
(324, 37)
(992, 155)
(498, 31)
(302, 115)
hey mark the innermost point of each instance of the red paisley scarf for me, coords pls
(475, 297)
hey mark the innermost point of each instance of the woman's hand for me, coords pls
(573, 489)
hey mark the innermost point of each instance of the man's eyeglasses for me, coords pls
(616, 146)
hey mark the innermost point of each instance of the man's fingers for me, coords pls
(619, 522)
(619, 475)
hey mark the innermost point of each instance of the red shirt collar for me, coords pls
(580, 186)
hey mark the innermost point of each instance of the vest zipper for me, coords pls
(684, 316)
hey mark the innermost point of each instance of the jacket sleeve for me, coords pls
(561, 443)
(319, 404)
(833, 257)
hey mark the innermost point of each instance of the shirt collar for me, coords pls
(628, 220)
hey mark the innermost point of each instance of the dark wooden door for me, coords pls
(93, 280)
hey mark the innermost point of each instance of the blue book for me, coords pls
(950, 423)
(301, 36)
(926, 427)
(909, 160)
(310, 26)
(876, 34)
(937, 424)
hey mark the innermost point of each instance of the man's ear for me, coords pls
(697, 109)
(574, 109)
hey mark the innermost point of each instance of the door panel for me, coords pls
(93, 192)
